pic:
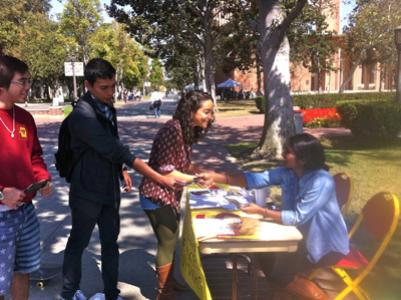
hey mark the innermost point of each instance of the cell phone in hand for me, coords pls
(273, 206)
(34, 187)
(182, 183)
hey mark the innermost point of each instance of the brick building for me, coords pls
(365, 77)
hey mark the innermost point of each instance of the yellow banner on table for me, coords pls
(191, 266)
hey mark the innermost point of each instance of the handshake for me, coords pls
(182, 179)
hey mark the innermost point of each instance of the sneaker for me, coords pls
(101, 296)
(98, 296)
(79, 296)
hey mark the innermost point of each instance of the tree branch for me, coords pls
(292, 15)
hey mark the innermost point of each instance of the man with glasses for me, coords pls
(21, 165)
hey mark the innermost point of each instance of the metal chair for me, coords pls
(379, 219)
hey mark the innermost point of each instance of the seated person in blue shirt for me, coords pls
(308, 202)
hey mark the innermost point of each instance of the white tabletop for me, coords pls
(271, 237)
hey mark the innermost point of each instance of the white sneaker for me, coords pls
(101, 296)
(79, 296)
(98, 296)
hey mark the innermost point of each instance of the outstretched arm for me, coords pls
(140, 166)
(252, 208)
(208, 178)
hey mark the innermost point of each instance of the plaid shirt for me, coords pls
(168, 150)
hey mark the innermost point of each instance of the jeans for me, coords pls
(157, 112)
(85, 215)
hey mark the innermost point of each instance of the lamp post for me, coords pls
(397, 39)
(74, 79)
(71, 68)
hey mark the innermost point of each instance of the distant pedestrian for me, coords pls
(21, 164)
(157, 107)
(125, 95)
(95, 180)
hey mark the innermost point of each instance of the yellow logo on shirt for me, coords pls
(23, 133)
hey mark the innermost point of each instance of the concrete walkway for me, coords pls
(136, 240)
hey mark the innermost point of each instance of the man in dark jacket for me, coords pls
(95, 187)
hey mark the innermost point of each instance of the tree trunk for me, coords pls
(50, 92)
(275, 55)
(208, 44)
(381, 78)
(348, 79)
(258, 76)
(209, 68)
(42, 92)
(197, 75)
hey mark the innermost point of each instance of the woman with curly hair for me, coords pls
(171, 154)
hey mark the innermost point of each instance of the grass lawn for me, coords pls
(67, 110)
(234, 108)
(372, 169)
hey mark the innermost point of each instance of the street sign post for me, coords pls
(74, 69)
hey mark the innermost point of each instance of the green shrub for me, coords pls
(323, 122)
(39, 100)
(330, 100)
(260, 104)
(67, 110)
(371, 120)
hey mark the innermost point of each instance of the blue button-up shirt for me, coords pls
(310, 203)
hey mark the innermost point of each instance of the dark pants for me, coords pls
(281, 267)
(164, 222)
(85, 215)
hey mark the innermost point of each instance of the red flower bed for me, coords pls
(311, 114)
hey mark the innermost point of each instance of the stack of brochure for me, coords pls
(218, 198)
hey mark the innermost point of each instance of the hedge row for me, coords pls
(330, 100)
(39, 100)
(374, 120)
(260, 104)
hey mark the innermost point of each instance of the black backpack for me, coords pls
(65, 160)
(64, 155)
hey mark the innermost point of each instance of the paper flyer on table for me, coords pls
(217, 199)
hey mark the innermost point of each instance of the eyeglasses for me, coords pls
(23, 81)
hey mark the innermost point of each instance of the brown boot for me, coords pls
(165, 286)
(306, 288)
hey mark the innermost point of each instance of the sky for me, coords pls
(57, 8)
(346, 8)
